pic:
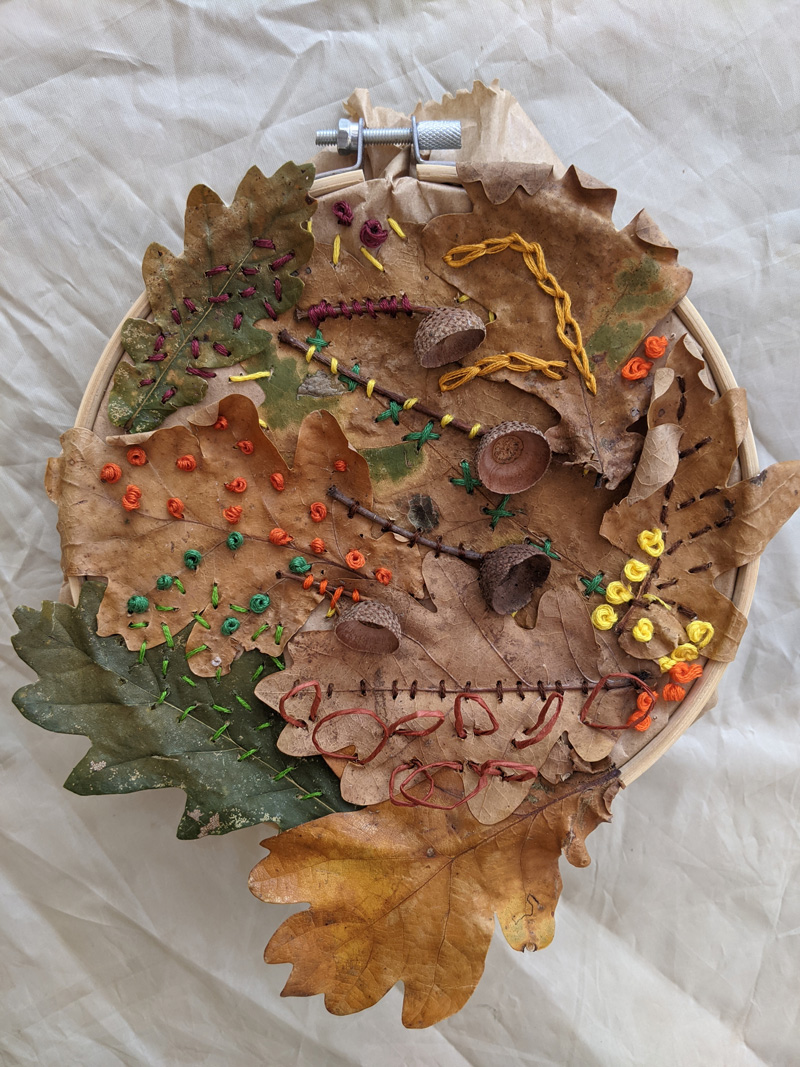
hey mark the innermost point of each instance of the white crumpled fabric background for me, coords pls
(122, 946)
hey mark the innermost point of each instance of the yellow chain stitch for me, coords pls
(519, 362)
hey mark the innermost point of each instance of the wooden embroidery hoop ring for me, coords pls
(703, 694)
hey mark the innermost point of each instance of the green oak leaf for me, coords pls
(133, 714)
(204, 317)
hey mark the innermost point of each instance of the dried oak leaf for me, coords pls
(410, 894)
(152, 727)
(455, 645)
(621, 284)
(709, 526)
(205, 302)
(133, 548)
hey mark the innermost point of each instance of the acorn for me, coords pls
(509, 575)
(512, 457)
(446, 335)
(369, 626)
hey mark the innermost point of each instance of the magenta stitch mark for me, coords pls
(277, 285)
(373, 234)
(270, 310)
(159, 343)
(247, 271)
(223, 298)
(281, 261)
(176, 315)
(237, 320)
(223, 351)
(195, 348)
(217, 270)
(168, 394)
(190, 304)
(317, 313)
(343, 213)
(156, 357)
(263, 242)
(147, 381)
(199, 372)
(247, 292)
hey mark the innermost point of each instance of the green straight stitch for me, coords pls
(310, 796)
(219, 707)
(237, 607)
(218, 674)
(179, 585)
(183, 714)
(193, 651)
(160, 607)
(137, 625)
(162, 698)
(164, 667)
(263, 726)
(142, 651)
(216, 736)
(282, 774)
(278, 664)
(257, 673)
(199, 618)
(243, 702)
(168, 635)
(258, 633)
(189, 681)
(278, 633)
(244, 755)
(214, 595)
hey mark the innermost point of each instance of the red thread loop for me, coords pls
(350, 711)
(247, 448)
(221, 423)
(339, 465)
(314, 705)
(386, 305)
(460, 728)
(277, 482)
(635, 719)
(439, 716)
(540, 736)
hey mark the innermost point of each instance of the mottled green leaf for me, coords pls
(196, 307)
(133, 714)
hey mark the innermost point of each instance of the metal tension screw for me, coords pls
(425, 136)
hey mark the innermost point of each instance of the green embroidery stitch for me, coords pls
(500, 512)
(468, 481)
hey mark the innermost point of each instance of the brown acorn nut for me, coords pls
(512, 457)
(369, 626)
(509, 575)
(447, 335)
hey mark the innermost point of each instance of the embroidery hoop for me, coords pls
(703, 694)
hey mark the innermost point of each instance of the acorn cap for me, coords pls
(369, 626)
(509, 575)
(512, 457)
(447, 335)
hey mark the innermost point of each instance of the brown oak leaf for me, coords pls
(236, 484)
(410, 894)
(708, 525)
(456, 645)
(621, 284)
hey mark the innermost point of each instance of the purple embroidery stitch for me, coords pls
(281, 261)
(270, 310)
(221, 299)
(373, 234)
(237, 320)
(168, 394)
(195, 347)
(278, 287)
(190, 304)
(217, 270)
(263, 242)
(223, 351)
(199, 372)
(159, 343)
(343, 213)
(176, 315)
(247, 292)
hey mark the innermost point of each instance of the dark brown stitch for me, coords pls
(724, 522)
(699, 533)
(686, 611)
(668, 489)
(442, 690)
(710, 492)
(559, 688)
(687, 503)
(664, 514)
(701, 567)
(666, 585)
(329, 690)
(520, 694)
(438, 550)
(540, 687)
(499, 691)
(695, 448)
(675, 547)
(413, 690)
(363, 687)
(395, 691)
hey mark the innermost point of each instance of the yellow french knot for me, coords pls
(635, 571)
(666, 663)
(603, 617)
(700, 633)
(684, 653)
(618, 593)
(651, 541)
(532, 254)
(643, 630)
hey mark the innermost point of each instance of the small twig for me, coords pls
(388, 394)
(412, 536)
(317, 313)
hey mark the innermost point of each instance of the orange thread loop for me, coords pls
(238, 485)
(318, 512)
(685, 673)
(175, 507)
(137, 457)
(131, 498)
(221, 423)
(655, 347)
(636, 368)
(672, 692)
(354, 560)
(308, 581)
(317, 546)
(277, 482)
(110, 473)
(383, 575)
(277, 536)
(232, 514)
(339, 465)
(247, 448)
(186, 463)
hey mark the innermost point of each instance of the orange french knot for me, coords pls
(238, 485)
(354, 560)
(636, 368)
(175, 507)
(131, 498)
(233, 514)
(246, 447)
(277, 482)
(317, 546)
(672, 692)
(137, 457)
(655, 347)
(277, 536)
(684, 673)
(383, 575)
(339, 465)
(318, 512)
(110, 473)
(186, 463)
(221, 423)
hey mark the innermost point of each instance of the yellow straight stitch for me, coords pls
(250, 377)
(396, 228)
(375, 262)
(337, 248)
